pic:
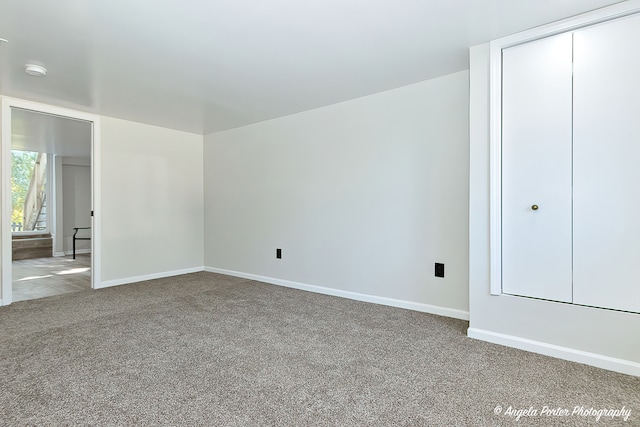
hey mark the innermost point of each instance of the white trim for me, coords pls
(78, 252)
(495, 176)
(5, 203)
(96, 204)
(572, 23)
(615, 11)
(593, 359)
(59, 254)
(164, 274)
(1, 303)
(410, 305)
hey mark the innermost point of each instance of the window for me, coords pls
(29, 176)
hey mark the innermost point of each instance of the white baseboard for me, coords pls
(78, 252)
(57, 254)
(128, 280)
(598, 360)
(410, 305)
(1, 304)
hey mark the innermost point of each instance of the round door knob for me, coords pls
(534, 207)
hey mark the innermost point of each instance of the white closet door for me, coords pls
(607, 165)
(536, 169)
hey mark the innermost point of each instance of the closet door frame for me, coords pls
(495, 114)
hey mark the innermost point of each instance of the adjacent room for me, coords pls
(51, 204)
(339, 213)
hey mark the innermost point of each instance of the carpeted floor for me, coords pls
(207, 349)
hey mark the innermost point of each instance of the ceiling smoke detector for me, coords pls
(35, 70)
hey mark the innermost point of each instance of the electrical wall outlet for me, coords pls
(439, 269)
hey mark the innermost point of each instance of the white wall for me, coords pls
(76, 202)
(362, 196)
(57, 231)
(562, 330)
(152, 201)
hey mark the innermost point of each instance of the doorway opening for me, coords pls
(50, 235)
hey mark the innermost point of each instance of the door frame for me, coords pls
(5, 189)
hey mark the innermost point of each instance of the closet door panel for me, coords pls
(607, 165)
(536, 169)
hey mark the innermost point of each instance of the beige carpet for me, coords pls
(207, 349)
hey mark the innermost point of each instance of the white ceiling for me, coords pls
(204, 66)
(44, 133)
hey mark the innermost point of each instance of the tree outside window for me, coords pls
(22, 169)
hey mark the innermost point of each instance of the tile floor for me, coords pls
(44, 277)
